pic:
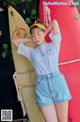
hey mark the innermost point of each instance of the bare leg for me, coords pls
(62, 111)
(49, 113)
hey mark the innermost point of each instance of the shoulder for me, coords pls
(55, 37)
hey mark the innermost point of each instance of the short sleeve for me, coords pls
(56, 39)
(25, 51)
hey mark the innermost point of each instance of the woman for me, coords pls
(52, 93)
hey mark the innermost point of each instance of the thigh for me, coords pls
(49, 113)
(62, 111)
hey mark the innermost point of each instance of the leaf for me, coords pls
(6, 51)
(13, 2)
(33, 12)
(28, 20)
(3, 54)
(5, 46)
(24, 11)
(78, 16)
(4, 3)
(29, 0)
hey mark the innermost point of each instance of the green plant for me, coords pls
(31, 11)
(78, 16)
(12, 2)
(5, 50)
(27, 9)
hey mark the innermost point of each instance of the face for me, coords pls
(38, 36)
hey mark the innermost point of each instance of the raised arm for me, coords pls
(17, 41)
(54, 27)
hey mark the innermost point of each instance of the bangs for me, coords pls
(34, 27)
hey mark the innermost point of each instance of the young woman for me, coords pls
(52, 93)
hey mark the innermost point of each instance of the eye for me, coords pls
(33, 35)
(39, 32)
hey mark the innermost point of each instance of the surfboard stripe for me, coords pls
(69, 62)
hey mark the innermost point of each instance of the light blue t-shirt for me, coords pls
(44, 58)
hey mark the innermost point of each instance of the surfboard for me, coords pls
(25, 76)
(69, 59)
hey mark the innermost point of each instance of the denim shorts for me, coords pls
(51, 89)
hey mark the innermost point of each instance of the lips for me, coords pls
(37, 40)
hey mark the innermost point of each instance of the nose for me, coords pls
(36, 36)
